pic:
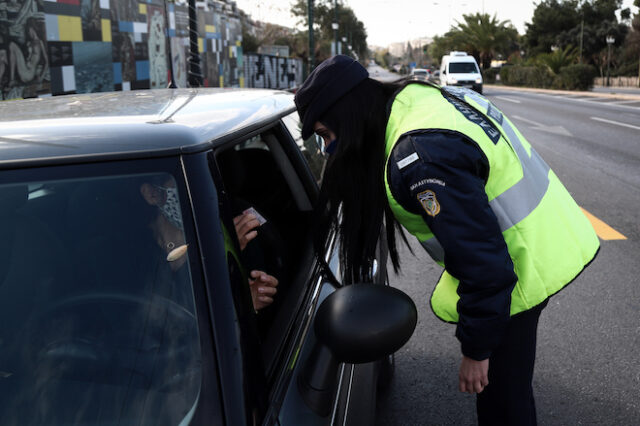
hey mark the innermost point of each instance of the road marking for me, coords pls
(631, 126)
(557, 130)
(630, 101)
(603, 230)
(515, 101)
(587, 100)
(528, 121)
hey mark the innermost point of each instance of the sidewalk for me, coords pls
(599, 94)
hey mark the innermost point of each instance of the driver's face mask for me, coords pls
(171, 207)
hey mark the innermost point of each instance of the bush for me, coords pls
(489, 75)
(575, 77)
(531, 76)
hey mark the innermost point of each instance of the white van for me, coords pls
(460, 69)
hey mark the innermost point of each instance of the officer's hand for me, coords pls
(263, 288)
(474, 375)
(245, 225)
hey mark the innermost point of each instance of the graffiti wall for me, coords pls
(265, 71)
(52, 47)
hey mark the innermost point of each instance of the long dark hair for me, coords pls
(354, 179)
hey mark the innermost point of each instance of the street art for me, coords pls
(265, 71)
(24, 61)
(53, 47)
(157, 48)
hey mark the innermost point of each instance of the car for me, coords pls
(420, 73)
(460, 69)
(124, 296)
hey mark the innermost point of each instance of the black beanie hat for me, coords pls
(331, 80)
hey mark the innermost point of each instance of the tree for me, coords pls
(483, 36)
(562, 23)
(559, 58)
(323, 18)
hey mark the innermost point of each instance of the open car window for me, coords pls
(96, 299)
(257, 175)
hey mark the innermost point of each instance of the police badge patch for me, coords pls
(429, 202)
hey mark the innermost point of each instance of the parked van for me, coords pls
(460, 69)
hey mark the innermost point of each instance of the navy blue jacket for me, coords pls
(456, 170)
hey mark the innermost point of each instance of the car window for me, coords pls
(258, 176)
(96, 300)
(463, 68)
(309, 148)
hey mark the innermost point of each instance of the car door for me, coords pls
(277, 174)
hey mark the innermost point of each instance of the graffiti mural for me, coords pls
(24, 59)
(54, 47)
(265, 71)
(157, 47)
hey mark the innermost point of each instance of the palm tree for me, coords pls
(558, 58)
(484, 36)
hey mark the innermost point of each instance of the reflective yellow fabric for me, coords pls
(548, 237)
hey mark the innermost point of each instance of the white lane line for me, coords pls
(616, 123)
(527, 121)
(627, 102)
(586, 100)
(515, 101)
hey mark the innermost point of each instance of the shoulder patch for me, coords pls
(429, 202)
(407, 160)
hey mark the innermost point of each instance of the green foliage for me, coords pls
(489, 75)
(527, 76)
(563, 23)
(481, 35)
(575, 77)
(323, 16)
(558, 58)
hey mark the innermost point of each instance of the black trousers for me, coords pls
(508, 398)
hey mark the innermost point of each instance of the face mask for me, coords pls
(331, 148)
(171, 208)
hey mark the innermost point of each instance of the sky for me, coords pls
(390, 21)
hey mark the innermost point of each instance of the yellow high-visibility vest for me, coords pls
(549, 239)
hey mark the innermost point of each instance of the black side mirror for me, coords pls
(363, 322)
(356, 324)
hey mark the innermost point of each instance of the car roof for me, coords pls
(90, 127)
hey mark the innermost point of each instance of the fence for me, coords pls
(617, 81)
(52, 47)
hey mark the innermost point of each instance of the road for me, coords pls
(588, 364)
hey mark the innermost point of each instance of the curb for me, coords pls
(625, 96)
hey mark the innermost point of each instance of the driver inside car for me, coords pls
(168, 233)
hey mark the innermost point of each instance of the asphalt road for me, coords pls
(588, 364)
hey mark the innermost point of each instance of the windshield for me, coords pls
(97, 317)
(463, 68)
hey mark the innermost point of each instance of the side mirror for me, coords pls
(365, 322)
(356, 324)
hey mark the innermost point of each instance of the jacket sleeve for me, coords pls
(452, 170)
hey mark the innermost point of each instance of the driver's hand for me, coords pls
(263, 288)
(245, 225)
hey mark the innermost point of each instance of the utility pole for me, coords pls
(335, 26)
(581, 35)
(195, 74)
(312, 47)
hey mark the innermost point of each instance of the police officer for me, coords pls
(449, 167)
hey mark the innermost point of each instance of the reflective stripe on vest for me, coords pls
(521, 199)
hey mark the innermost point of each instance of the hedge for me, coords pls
(575, 77)
(571, 77)
(537, 76)
(489, 75)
